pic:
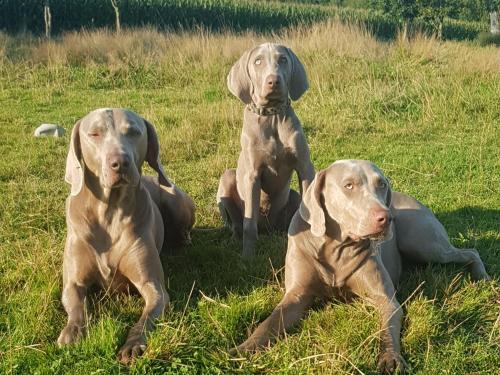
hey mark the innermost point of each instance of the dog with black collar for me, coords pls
(256, 195)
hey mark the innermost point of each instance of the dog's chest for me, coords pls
(276, 154)
(275, 145)
(339, 263)
(107, 245)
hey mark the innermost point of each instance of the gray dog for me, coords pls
(257, 194)
(348, 238)
(114, 219)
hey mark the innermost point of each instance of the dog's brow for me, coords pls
(351, 179)
(109, 120)
(131, 127)
(98, 125)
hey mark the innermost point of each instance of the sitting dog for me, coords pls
(257, 194)
(115, 227)
(348, 238)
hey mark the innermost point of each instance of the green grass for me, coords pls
(426, 113)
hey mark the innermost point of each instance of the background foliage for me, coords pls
(460, 19)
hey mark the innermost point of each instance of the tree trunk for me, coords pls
(440, 29)
(114, 3)
(405, 36)
(24, 24)
(47, 16)
(494, 22)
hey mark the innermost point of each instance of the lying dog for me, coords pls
(257, 194)
(349, 237)
(115, 230)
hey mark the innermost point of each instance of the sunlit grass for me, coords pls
(426, 112)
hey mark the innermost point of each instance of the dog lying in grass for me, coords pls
(348, 238)
(114, 219)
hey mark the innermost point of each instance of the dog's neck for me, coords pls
(343, 256)
(336, 239)
(269, 110)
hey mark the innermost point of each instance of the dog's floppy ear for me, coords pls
(311, 208)
(74, 169)
(388, 196)
(238, 79)
(153, 155)
(298, 80)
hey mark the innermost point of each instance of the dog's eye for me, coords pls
(94, 134)
(349, 186)
(258, 62)
(282, 60)
(382, 185)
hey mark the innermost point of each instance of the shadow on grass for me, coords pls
(213, 265)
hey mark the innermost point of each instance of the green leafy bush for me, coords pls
(487, 38)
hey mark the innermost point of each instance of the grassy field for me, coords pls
(427, 113)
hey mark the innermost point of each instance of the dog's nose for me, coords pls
(382, 218)
(119, 162)
(272, 81)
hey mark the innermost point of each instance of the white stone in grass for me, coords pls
(49, 130)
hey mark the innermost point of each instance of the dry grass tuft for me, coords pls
(459, 56)
(334, 37)
(147, 47)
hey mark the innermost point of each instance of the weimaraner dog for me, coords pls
(114, 219)
(257, 194)
(348, 238)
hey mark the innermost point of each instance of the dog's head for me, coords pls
(267, 75)
(112, 144)
(353, 193)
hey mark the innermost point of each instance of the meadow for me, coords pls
(427, 112)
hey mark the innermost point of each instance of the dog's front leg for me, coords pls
(288, 312)
(251, 197)
(73, 298)
(390, 358)
(143, 268)
(305, 173)
(77, 272)
(372, 281)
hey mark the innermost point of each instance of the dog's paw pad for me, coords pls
(130, 351)
(391, 363)
(69, 335)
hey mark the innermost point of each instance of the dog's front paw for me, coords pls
(391, 363)
(248, 347)
(69, 334)
(478, 272)
(133, 348)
